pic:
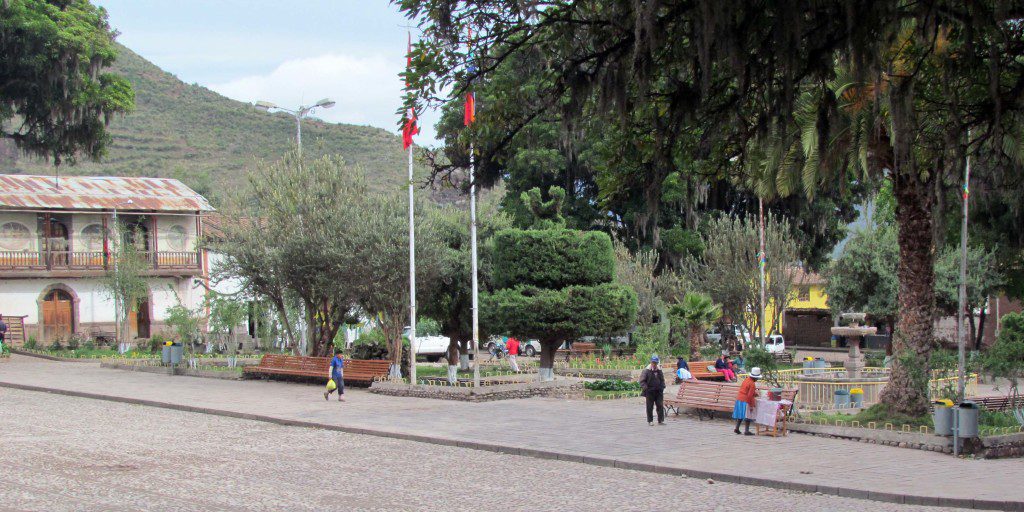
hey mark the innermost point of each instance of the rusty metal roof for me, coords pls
(19, 191)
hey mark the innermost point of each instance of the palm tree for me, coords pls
(698, 312)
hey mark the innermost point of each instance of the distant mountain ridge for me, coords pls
(209, 141)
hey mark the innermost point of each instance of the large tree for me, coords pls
(56, 97)
(450, 301)
(555, 284)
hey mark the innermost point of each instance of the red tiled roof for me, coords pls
(19, 191)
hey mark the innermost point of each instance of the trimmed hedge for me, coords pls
(553, 258)
(564, 313)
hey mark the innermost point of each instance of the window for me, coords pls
(15, 236)
(92, 238)
(177, 238)
(804, 293)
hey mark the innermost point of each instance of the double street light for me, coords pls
(298, 113)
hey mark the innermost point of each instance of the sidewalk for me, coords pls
(611, 433)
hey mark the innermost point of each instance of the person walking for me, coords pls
(3, 333)
(652, 387)
(512, 345)
(743, 410)
(337, 373)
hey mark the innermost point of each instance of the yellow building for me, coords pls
(806, 320)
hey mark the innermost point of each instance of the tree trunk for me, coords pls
(547, 359)
(981, 327)
(282, 311)
(464, 354)
(907, 390)
(696, 341)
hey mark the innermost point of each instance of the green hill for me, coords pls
(208, 141)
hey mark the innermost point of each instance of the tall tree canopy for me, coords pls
(789, 97)
(55, 99)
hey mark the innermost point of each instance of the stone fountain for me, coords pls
(854, 334)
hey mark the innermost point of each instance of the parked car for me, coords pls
(740, 331)
(432, 348)
(528, 348)
(775, 344)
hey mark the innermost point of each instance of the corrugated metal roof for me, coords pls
(98, 193)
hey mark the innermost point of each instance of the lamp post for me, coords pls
(298, 113)
(117, 281)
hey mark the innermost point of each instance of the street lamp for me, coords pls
(298, 113)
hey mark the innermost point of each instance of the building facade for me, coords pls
(58, 241)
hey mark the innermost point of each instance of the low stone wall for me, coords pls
(179, 370)
(990, 447)
(592, 373)
(556, 389)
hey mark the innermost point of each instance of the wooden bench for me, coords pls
(356, 370)
(699, 370)
(711, 397)
(995, 403)
(15, 331)
(577, 350)
(784, 357)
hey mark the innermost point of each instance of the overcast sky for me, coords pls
(288, 52)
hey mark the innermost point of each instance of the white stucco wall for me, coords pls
(80, 221)
(19, 297)
(165, 223)
(224, 286)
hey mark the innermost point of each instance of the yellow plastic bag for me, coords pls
(331, 386)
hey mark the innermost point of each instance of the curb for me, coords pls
(558, 455)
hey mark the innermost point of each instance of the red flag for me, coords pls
(409, 129)
(470, 114)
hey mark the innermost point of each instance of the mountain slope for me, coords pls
(208, 141)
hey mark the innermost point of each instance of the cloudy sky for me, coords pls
(290, 53)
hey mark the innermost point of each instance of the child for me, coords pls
(723, 366)
(746, 400)
(337, 374)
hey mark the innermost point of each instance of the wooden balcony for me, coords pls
(92, 263)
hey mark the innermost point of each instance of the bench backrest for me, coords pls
(367, 366)
(700, 368)
(297, 363)
(696, 391)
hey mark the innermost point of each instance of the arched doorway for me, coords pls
(58, 315)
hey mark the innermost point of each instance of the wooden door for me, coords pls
(142, 320)
(58, 316)
(133, 325)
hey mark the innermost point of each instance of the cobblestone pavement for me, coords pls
(67, 453)
(610, 430)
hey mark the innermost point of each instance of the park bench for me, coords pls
(994, 403)
(699, 370)
(356, 370)
(784, 357)
(711, 397)
(577, 349)
(103, 336)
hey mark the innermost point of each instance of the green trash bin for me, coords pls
(968, 413)
(842, 399)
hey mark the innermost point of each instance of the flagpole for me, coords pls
(961, 331)
(761, 261)
(476, 288)
(412, 280)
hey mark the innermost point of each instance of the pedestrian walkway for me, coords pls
(612, 433)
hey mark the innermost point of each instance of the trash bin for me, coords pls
(176, 351)
(820, 365)
(165, 354)
(942, 417)
(808, 366)
(842, 399)
(968, 418)
(856, 397)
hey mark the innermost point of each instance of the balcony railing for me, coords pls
(92, 260)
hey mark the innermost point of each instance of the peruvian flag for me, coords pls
(409, 129)
(470, 114)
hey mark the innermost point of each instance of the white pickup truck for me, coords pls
(431, 348)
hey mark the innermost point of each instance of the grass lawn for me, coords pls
(599, 394)
(442, 371)
(80, 353)
(880, 415)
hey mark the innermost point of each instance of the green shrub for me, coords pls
(55, 346)
(428, 327)
(612, 385)
(372, 344)
(156, 343)
(711, 352)
(75, 341)
(552, 258)
(560, 313)
(31, 343)
(89, 344)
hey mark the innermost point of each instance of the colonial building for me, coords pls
(57, 246)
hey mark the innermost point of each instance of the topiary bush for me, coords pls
(555, 284)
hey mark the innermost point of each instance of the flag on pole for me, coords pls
(410, 128)
(470, 114)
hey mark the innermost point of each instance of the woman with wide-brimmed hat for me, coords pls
(746, 400)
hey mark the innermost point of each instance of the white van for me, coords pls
(775, 344)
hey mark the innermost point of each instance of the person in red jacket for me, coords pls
(746, 400)
(512, 345)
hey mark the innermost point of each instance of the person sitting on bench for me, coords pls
(723, 366)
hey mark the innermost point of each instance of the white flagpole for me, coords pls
(476, 290)
(412, 278)
(761, 261)
(961, 330)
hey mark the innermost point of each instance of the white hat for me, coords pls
(755, 372)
